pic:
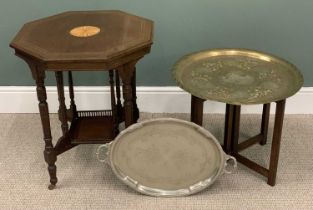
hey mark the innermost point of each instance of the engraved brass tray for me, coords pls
(237, 76)
(167, 157)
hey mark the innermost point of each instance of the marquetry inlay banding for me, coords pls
(85, 31)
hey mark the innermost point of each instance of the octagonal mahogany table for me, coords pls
(240, 77)
(112, 41)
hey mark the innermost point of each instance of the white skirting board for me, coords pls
(19, 99)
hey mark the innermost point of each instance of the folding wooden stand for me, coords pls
(231, 135)
(231, 145)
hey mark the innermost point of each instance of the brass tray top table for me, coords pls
(240, 77)
(112, 41)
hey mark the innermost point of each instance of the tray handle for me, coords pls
(106, 148)
(227, 164)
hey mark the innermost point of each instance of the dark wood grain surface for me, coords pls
(111, 41)
(50, 40)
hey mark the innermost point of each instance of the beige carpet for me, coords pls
(84, 183)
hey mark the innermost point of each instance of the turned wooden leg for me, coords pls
(136, 110)
(49, 152)
(71, 91)
(113, 102)
(278, 126)
(265, 122)
(197, 110)
(62, 106)
(126, 72)
(64, 143)
(119, 107)
(128, 103)
(228, 128)
(235, 128)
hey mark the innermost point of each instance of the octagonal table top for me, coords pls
(237, 76)
(84, 36)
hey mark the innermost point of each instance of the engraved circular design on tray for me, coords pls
(237, 76)
(167, 157)
(85, 31)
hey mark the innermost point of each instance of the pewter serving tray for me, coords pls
(167, 157)
(237, 76)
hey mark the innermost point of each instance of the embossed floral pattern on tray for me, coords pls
(237, 76)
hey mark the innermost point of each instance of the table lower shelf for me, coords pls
(92, 130)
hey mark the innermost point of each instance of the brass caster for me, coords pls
(51, 187)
